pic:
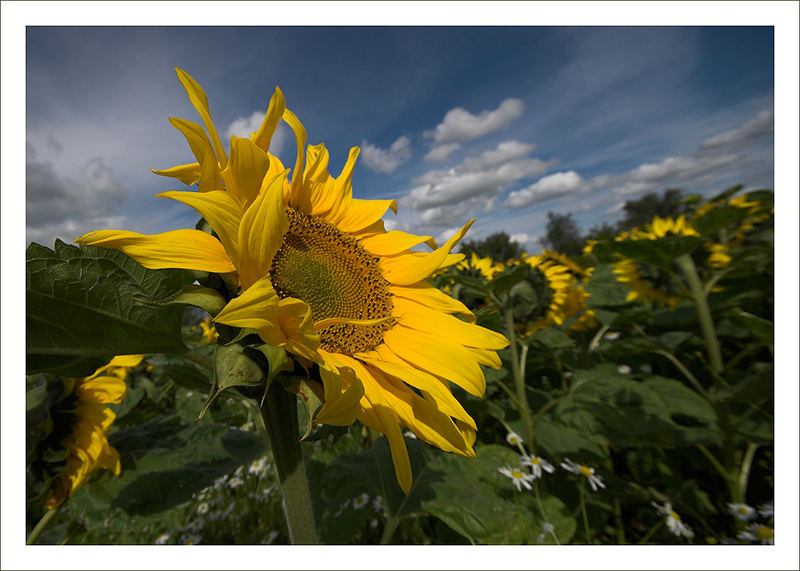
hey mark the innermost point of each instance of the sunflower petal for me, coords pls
(434, 298)
(184, 249)
(341, 407)
(187, 174)
(406, 269)
(277, 104)
(256, 308)
(198, 98)
(390, 243)
(297, 326)
(101, 390)
(210, 177)
(245, 171)
(297, 174)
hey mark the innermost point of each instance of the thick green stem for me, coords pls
(279, 412)
(519, 379)
(747, 463)
(41, 526)
(199, 359)
(689, 270)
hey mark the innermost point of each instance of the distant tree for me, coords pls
(601, 231)
(642, 210)
(498, 245)
(563, 234)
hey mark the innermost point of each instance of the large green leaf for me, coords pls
(85, 305)
(604, 288)
(163, 464)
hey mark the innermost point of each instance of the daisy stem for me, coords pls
(541, 510)
(583, 511)
(279, 412)
(519, 378)
(41, 526)
(651, 531)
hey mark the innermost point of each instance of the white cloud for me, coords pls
(618, 207)
(521, 238)
(760, 125)
(386, 160)
(460, 125)
(441, 152)
(545, 188)
(244, 126)
(445, 235)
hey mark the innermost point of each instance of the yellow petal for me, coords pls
(390, 243)
(187, 174)
(341, 399)
(434, 298)
(246, 170)
(256, 308)
(448, 361)
(419, 317)
(277, 104)
(210, 177)
(219, 209)
(101, 390)
(185, 249)
(297, 174)
(261, 232)
(198, 98)
(406, 269)
(356, 214)
(297, 326)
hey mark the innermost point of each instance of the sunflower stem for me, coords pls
(519, 379)
(279, 412)
(199, 359)
(41, 526)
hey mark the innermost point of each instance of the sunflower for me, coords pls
(209, 332)
(557, 282)
(319, 276)
(87, 443)
(481, 266)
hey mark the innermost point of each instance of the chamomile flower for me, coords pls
(761, 533)
(674, 522)
(258, 467)
(235, 482)
(203, 508)
(360, 501)
(742, 512)
(519, 477)
(379, 504)
(624, 369)
(162, 539)
(767, 510)
(514, 439)
(537, 464)
(271, 536)
(612, 335)
(594, 481)
(193, 539)
(547, 528)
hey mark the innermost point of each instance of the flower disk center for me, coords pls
(332, 273)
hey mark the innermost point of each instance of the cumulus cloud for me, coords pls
(460, 125)
(65, 208)
(441, 152)
(244, 126)
(386, 160)
(545, 188)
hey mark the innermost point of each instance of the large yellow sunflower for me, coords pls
(87, 443)
(320, 276)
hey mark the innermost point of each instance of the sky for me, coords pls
(501, 124)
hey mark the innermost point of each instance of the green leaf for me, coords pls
(762, 329)
(551, 338)
(604, 288)
(163, 464)
(659, 252)
(718, 218)
(82, 308)
(508, 278)
(203, 297)
(233, 367)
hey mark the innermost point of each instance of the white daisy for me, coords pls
(537, 464)
(235, 482)
(519, 477)
(763, 534)
(409, 434)
(258, 467)
(162, 539)
(624, 369)
(514, 439)
(194, 525)
(767, 510)
(674, 522)
(594, 481)
(202, 508)
(360, 501)
(742, 512)
(612, 335)
(379, 504)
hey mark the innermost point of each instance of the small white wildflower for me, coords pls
(646, 368)
(379, 504)
(612, 335)
(360, 501)
(194, 525)
(514, 439)
(258, 467)
(537, 464)
(238, 472)
(189, 394)
(567, 374)
(742, 512)
(235, 482)
(519, 477)
(594, 481)
(623, 369)
(409, 434)
(271, 536)
(547, 528)
(763, 534)
(202, 508)
(220, 482)
(162, 539)
(673, 521)
(767, 510)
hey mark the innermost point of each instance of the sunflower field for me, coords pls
(290, 372)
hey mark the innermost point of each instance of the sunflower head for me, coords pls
(318, 276)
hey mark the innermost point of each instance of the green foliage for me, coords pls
(563, 234)
(498, 246)
(83, 307)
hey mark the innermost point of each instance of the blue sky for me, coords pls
(498, 123)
